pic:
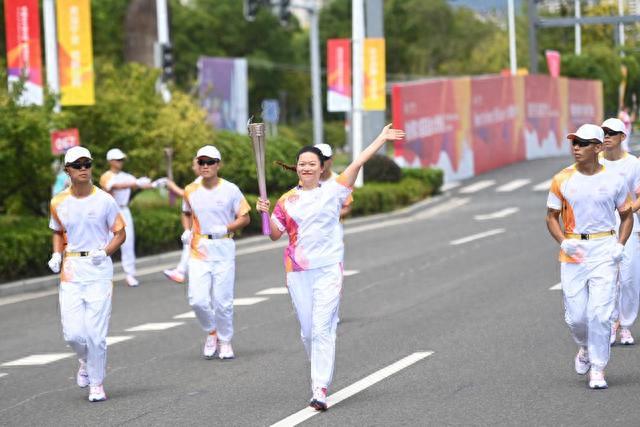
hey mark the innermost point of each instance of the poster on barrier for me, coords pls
(585, 103)
(544, 136)
(497, 122)
(435, 116)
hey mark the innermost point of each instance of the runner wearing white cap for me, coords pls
(617, 160)
(329, 174)
(83, 218)
(310, 214)
(119, 184)
(212, 210)
(586, 196)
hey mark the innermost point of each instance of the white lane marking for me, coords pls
(117, 339)
(187, 315)
(543, 186)
(3, 374)
(513, 185)
(38, 359)
(449, 205)
(27, 296)
(248, 301)
(557, 287)
(477, 236)
(355, 388)
(159, 326)
(449, 186)
(274, 291)
(495, 215)
(477, 186)
(348, 273)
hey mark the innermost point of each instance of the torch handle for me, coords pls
(266, 224)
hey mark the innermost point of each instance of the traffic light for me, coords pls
(251, 9)
(166, 61)
(284, 13)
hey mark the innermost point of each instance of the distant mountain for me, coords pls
(485, 5)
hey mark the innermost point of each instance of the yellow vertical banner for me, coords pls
(75, 52)
(374, 75)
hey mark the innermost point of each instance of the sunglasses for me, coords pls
(610, 132)
(80, 165)
(209, 162)
(581, 142)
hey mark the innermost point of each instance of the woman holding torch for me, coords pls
(310, 214)
(213, 209)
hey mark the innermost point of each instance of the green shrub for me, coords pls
(434, 177)
(382, 169)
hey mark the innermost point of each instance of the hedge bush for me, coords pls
(25, 241)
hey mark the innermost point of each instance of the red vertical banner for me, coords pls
(553, 62)
(22, 22)
(338, 75)
(543, 106)
(62, 140)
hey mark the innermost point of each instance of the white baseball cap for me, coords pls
(209, 151)
(615, 125)
(325, 149)
(115, 154)
(76, 153)
(588, 132)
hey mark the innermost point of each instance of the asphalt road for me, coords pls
(465, 277)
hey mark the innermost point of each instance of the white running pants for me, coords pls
(127, 250)
(589, 292)
(315, 295)
(629, 283)
(85, 310)
(211, 295)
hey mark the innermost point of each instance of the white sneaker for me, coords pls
(131, 281)
(582, 363)
(175, 275)
(96, 393)
(596, 380)
(319, 399)
(210, 346)
(82, 377)
(614, 330)
(625, 337)
(226, 351)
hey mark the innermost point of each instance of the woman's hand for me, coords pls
(389, 134)
(263, 205)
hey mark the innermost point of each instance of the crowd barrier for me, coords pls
(470, 125)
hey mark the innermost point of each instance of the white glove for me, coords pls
(186, 237)
(55, 261)
(98, 256)
(616, 252)
(159, 183)
(219, 230)
(570, 246)
(143, 182)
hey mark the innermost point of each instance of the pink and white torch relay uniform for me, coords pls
(212, 263)
(587, 204)
(313, 265)
(629, 280)
(85, 288)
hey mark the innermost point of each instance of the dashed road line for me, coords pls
(3, 374)
(187, 315)
(249, 301)
(513, 185)
(543, 186)
(348, 273)
(282, 290)
(477, 236)
(556, 287)
(477, 186)
(355, 388)
(158, 326)
(496, 215)
(449, 186)
(118, 339)
(38, 359)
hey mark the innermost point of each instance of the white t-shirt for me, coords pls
(587, 202)
(312, 220)
(86, 223)
(628, 167)
(122, 195)
(220, 205)
(349, 200)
